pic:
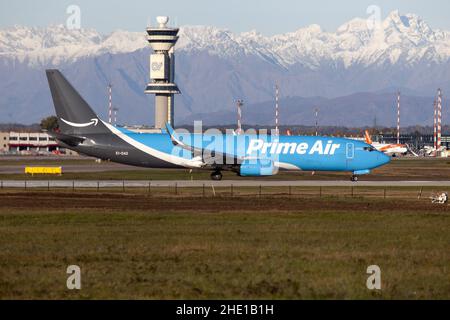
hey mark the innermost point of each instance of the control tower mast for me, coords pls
(162, 70)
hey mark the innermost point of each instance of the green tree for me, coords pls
(49, 123)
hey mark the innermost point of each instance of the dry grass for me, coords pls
(129, 246)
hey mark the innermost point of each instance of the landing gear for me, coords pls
(216, 176)
(354, 178)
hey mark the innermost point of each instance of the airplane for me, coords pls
(431, 150)
(387, 148)
(249, 155)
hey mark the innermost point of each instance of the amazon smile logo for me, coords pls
(93, 121)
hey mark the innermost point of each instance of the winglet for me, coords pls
(173, 136)
(169, 129)
(177, 140)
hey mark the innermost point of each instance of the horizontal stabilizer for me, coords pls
(70, 140)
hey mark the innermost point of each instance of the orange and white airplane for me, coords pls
(387, 148)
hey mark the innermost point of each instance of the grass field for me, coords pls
(131, 245)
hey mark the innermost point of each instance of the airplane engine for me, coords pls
(257, 167)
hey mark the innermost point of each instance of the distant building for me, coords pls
(30, 143)
(33, 142)
(143, 129)
(4, 142)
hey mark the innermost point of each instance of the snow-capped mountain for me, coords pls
(216, 66)
(407, 38)
(56, 45)
(398, 37)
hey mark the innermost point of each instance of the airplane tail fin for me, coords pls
(367, 137)
(75, 116)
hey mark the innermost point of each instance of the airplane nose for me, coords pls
(383, 159)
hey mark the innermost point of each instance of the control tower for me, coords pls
(162, 70)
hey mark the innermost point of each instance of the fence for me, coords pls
(230, 190)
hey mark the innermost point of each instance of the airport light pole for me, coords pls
(115, 115)
(316, 112)
(276, 109)
(110, 103)
(239, 104)
(398, 117)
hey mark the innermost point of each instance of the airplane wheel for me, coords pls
(354, 178)
(216, 176)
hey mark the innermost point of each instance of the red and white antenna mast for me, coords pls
(439, 120)
(316, 113)
(110, 104)
(239, 105)
(435, 125)
(398, 117)
(277, 91)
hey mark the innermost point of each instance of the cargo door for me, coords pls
(350, 154)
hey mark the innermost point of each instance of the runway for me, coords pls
(209, 183)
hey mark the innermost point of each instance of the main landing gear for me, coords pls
(354, 178)
(216, 175)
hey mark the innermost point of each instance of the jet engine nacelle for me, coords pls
(257, 167)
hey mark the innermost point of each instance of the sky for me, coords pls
(267, 17)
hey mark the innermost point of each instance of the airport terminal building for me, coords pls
(29, 143)
(4, 142)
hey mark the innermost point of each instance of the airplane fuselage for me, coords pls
(157, 150)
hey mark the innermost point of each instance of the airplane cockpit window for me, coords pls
(369, 148)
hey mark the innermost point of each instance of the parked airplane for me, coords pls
(430, 151)
(387, 148)
(80, 129)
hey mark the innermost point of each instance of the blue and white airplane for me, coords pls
(250, 155)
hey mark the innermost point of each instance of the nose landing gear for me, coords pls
(354, 178)
(216, 175)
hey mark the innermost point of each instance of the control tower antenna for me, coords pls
(162, 70)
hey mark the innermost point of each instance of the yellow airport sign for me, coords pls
(43, 170)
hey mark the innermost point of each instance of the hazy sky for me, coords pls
(267, 17)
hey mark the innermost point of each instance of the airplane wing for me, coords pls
(208, 156)
(408, 147)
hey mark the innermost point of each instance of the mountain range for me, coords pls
(351, 75)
